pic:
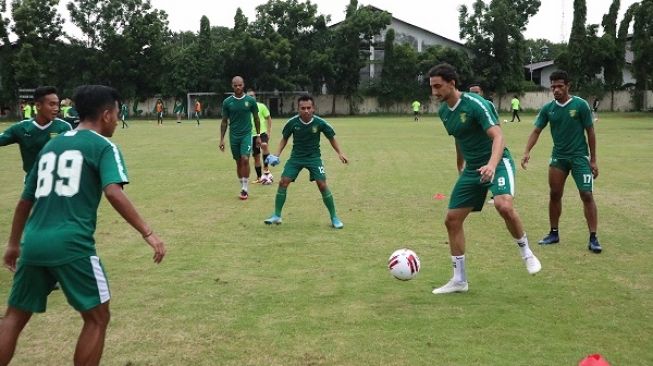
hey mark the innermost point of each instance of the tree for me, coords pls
(642, 46)
(494, 34)
(613, 58)
(352, 40)
(4, 25)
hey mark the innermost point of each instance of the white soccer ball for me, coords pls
(267, 179)
(404, 264)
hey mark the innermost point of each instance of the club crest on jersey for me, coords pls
(247, 104)
(572, 113)
(314, 129)
(53, 134)
(463, 117)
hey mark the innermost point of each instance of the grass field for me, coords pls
(233, 291)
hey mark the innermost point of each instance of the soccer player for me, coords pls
(198, 111)
(159, 112)
(305, 129)
(416, 107)
(178, 110)
(266, 130)
(484, 163)
(237, 113)
(62, 193)
(124, 112)
(570, 118)
(32, 134)
(516, 107)
(27, 110)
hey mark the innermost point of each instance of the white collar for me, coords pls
(41, 127)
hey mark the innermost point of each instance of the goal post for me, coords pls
(190, 98)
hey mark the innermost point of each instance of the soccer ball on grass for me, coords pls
(404, 264)
(267, 179)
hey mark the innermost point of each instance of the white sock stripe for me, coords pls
(511, 176)
(100, 279)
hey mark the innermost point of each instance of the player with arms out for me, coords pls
(484, 163)
(32, 134)
(237, 113)
(62, 192)
(305, 129)
(570, 118)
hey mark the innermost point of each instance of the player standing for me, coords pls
(62, 193)
(305, 129)
(570, 118)
(266, 131)
(237, 113)
(484, 163)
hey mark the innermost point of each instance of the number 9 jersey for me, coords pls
(66, 186)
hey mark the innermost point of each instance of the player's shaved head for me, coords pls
(238, 79)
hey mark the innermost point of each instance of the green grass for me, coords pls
(233, 291)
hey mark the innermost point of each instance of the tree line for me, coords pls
(290, 46)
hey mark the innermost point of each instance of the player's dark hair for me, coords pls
(305, 98)
(559, 75)
(446, 72)
(92, 100)
(42, 91)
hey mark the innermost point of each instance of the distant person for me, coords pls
(516, 107)
(124, 113)
(27, 110)
(33, 133)
(416, 109)
(484, 163)
(178, 110)
(237, 113)
(198, 111)
(595, 109)
(266, 131)
(571, 119)
(54, 223)
(305, 129)
(159, 112)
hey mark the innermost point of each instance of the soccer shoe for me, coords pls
(243, 195)
(257, 181)
(274, 219)
(550, 238)
(452, 286)
(336, 223)
(594, 246)
(533, 264)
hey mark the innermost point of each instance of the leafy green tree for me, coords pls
(4, 24)
(494, 34)
(613, 58)
(27, 69)
(642, 46)
(399, 75)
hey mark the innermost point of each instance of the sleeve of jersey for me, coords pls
(287, 130)
(7, 137)
(328, 131)
(542, 120)
(225, 110)
(586, 115)
(112, 166)
(29, 189)
(265, 112)
(254, 107)
(485, 116)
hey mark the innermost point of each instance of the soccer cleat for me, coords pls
(533, 264)
(274, 219)
(336, 223)
(550, 238)
(257, 181)
(594, 246)
(243, 195)
(452, 286)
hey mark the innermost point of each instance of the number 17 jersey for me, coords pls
(66, 186)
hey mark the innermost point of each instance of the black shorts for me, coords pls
(257, 150)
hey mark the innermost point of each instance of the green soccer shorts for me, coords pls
(469, 191)
(240, 146)
(83, 281)
(314, 167)
(580, 169)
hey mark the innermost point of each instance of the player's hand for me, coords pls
(221, 146)
(524, 161)
(157, 245)
(487, 173)
(595, 169)
(258, 142)
(11, 256)
(343, 158)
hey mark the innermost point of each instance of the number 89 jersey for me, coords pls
(66, 186)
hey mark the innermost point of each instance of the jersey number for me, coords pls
(501, 181)
(69, 170)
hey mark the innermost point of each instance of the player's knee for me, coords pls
(555, 195)
(99, 316)
(586, 197)
(452, 222)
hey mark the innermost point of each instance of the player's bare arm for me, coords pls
(336, 147)
(21, 213)
(257, 125)
(460, 161)
(591, 143)
(487, 171)
(532, 140)
(223, 131)
(118, 199)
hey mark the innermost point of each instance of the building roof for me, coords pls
(539, 65)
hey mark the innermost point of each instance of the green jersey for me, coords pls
(416, 105)
(179, 108)
(306, 136)
(31, 137)
(568, 124)
(468, 122)
(263, 114)
(124, 111)
(239, 111)
(66, 187)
